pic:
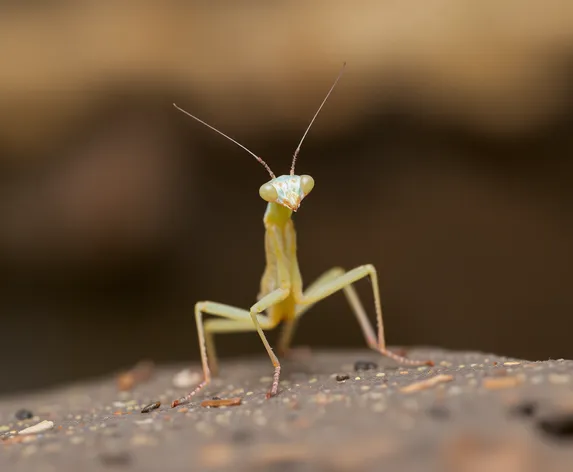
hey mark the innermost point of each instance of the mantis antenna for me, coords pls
(265, 165)
(314, 118)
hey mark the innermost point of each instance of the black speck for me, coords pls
(365, 365)
(24, 414)
(115, 459)
(342, 377)
(151, 407)
(439, 412)
(557, 426)
(215, 398)
(524, 409)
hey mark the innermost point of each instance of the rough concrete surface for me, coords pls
(472, 412)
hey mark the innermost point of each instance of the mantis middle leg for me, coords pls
(337, 279)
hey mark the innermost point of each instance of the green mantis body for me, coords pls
(282, 298)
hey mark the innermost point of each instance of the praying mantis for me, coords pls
(282, 298)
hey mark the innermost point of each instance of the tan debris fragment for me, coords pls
(427, 383)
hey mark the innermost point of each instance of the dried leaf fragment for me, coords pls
(235, 401)
(427, 383)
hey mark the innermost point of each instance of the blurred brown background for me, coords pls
(443, 157)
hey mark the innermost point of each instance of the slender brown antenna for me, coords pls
(265, 165)
(314, 118)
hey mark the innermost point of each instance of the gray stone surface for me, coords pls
(493, 414)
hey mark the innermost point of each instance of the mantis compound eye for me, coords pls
(268, 193)
(306, 183)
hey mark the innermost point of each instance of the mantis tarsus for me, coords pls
(281, 298)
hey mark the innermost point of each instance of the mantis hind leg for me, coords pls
(337, 279)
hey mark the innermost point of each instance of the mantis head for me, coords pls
(287, 190)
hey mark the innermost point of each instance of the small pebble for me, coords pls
(186, 379)
(364, 365)
(342, 377)
(24, 414)
(511, 363)
(38, 428)
(151, 407)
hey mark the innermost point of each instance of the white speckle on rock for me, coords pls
(186, 379)
(38, 428)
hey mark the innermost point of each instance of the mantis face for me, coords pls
(287, 190)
